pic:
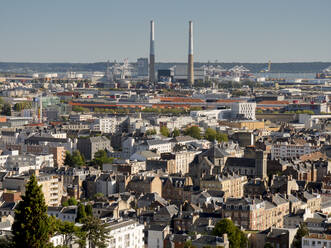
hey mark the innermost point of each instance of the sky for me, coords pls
(224, 30)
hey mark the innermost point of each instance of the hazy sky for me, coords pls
(224, 30)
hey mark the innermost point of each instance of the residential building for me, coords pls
(157, 235)
(125, 233)
(182, 161)
(160, 146)
(244, 110)
(231, 184)
(177, 189)
(89, 146)
(316, 240)
(144, 184)
(256, 214)
(286, 151)
(52, 186)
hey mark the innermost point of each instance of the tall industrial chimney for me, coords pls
(152, 56)
(190, 67)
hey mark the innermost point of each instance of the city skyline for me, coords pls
(285, 31)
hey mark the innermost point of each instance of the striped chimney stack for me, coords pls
(190, 67)
(152, 55)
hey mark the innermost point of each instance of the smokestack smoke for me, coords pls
(190, 67)
(152, 55)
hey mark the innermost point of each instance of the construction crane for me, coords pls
(268, 68)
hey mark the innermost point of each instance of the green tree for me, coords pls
(188, 244)
(72, 201)
(98, 196)
(151, 132)
(22, 105)
(239, 93)
(96, 232)
(81, 214)
(222, 137)
(165, 131)
(89, 210)
(68, 160)
(194, 132)
(236, 237)
(32, 227)
(6, 109)
(175, 133)
(77, 158)
(80, 109)
(6, 242)
(210, 134)
(302, 231)
(18, 106)
(81, 238)
(68, 230)
(100, 158)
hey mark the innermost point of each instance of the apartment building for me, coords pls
(157, 235)
(286, 150)
(9, 137)
(125, 233)
(25, 162)
(171, 123)
(144, 184)
(52, 186)
(243, 110)
(316, 240)
(58, 152)
(108, 125)
(231, 184)
(182, 160)
(89, 146)
(67, 143)
(256, 214)
(161, 146)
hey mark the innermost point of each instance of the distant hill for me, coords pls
(302, 67)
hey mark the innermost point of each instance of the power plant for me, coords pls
(190, 66)
(152, 55)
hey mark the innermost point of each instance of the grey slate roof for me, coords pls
(240, 162)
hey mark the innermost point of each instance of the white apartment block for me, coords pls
(81, 117)
(125, 234)
(174, 122)
(107, 125)
(161, 146)
(285, 150)
(245, 109)
(183, 161)
(136, 124)
(59, 135)
(316, 240)
(217, 114)
(26, 162)
(9, 137)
